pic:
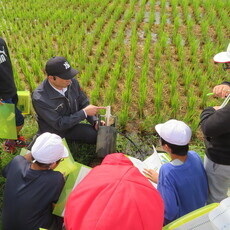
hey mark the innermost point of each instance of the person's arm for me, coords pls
(169, 198)
(28, 157)
(59, 187)
(215, 122)
(54, 119)
(151, 175)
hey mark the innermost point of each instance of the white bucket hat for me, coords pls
(48, 148)
(174, 132)
(223, 57)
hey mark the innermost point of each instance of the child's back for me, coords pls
(183, 187)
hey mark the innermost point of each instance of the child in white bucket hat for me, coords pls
(182, 182)
(32, 187)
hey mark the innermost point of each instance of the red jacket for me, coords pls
(114, 196)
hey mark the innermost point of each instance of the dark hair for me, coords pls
(42, 165)
(180, 150)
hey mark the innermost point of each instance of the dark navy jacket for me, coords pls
(57, 113)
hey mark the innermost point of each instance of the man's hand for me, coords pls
(151, 174)
(221, 90)
(91, 110)
(96, 126)
(216, 107)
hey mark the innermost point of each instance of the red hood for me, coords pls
(114, 195)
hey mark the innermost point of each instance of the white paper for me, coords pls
(220, 216)
(152, 162)
(199, 223)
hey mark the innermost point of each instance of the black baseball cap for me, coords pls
(59, 66)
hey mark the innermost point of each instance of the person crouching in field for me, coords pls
(116, 196)
(182, 182)
(32, 187)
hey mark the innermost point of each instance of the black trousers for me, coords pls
(81, 133)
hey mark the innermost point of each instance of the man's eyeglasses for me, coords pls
(226, 65)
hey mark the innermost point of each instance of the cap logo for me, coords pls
(67, 65)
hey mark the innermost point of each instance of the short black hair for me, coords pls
(45, 166)
(42, 165)
(180, 150)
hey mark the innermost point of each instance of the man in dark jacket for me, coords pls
(216, 128)
(8, 94)
(61, 105)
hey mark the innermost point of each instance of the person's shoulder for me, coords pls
(40, 90)
(75, 82)
(166, 167)
(56, 174)
(18, 160)
(55, 177)
(193, 154)
(194, 157)
(2, 41)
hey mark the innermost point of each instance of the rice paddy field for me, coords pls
(149, 60)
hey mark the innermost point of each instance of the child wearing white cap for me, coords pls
(32, 187)
(182, 182)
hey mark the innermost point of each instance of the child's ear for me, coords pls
(166, 148)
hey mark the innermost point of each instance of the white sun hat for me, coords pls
(48, 148)
(223, 57)
(174, 132)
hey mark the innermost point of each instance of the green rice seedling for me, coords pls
(194, 46)
(139, 16)
(174, 102)
(163, 20)
(158, 96)
(151, 17)
(89, 72)
(212, 16)
(184, 5)
(191, 99)
(176, 23)
(147, 46)
(163, 39)
(190, 25)
(174, 4)
(197, 11)
(37, 69)
(204, 29)
(220, 33)
(143, 87)
(124, 116)
(187, 77)
(134, 39)
(163, 5)
(157, 52)
(204, 98)
(95, 95)
(207, 52)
